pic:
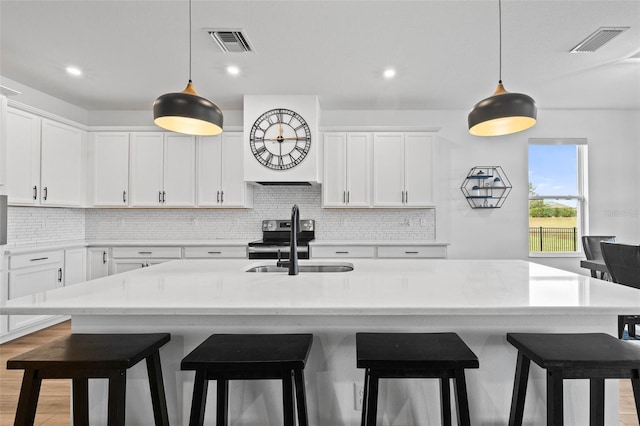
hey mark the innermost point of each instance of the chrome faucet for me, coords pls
(292, 263)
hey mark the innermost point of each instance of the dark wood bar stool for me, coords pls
(81, 357)
(224, 357)
(415, 355)
(593, 356)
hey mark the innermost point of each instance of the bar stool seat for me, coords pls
(593, 356)
(415, 355)
(224, 357)
(90, 356)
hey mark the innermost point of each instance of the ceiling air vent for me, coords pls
(231, 40)
(598, 39)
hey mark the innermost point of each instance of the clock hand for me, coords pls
(285, 139)
(279, 129)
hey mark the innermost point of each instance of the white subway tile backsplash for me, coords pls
(38, 224)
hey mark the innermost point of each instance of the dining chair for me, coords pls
(623, 263)
(592, 251)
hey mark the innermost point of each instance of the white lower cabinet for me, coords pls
(98, 262)
(126, 259)
(30, 274)
(343, 251)
(215, 252)
(408, 251)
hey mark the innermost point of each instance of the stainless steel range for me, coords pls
(275, 240)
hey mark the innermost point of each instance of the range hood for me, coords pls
(275, 144)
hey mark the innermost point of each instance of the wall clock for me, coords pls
(280, 139)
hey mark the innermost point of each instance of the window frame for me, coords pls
(581, 198)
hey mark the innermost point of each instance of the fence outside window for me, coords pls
(543, 239)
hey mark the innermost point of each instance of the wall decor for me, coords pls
(486, 187)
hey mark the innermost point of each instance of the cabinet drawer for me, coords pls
(343, 251)
(413, 251)
(35, 259)
(213, 252)
(147, 252)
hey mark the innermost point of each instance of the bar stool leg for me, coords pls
(301, 398)
(222, 403)
(372, 405)
(554, 398)
(28, 401)
(200, 387)
(365, 398)
(117, 398)
(462, 403)
(80, 390)
(287, 398)
(445, 401)
(596, 402)
(519, 390)
(635, 384)
(156, 385)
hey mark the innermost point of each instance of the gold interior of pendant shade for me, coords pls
(502, 126)
(189, 126)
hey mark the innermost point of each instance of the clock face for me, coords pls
(280, 139)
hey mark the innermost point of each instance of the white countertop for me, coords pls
(375, 287)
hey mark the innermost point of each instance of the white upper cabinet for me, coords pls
(61, 164)
(179, 182)
(45, 161)
(23, 157)
(162, 170)
(403, 169)
(220, 172)
(111, 169)
(347, 172)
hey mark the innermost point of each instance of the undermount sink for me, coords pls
(303, 268)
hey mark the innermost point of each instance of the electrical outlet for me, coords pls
(358, 396)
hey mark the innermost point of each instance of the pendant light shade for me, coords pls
(186, 111)
(503, 112)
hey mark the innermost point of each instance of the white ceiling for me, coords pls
(445, 52)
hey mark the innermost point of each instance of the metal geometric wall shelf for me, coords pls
(486, 187)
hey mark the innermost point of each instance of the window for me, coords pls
(556, 195)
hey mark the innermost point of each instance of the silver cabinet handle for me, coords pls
(410, 252)
(35, 192)
(406, 197)
(344, 197)
(402, 197)
(222, 196)
(348, 196)
(145, 252)
(214, 252)
(45, 193)
(59, 275)
(164, 199)
(159, 196)
(124, 196)
(104, 257)
(342, 252)
(37, 259)
(217, 196)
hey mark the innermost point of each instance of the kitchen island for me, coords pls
(481, 300)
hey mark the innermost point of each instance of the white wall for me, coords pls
(614, 174)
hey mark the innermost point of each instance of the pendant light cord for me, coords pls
(189, 41)
(500, 38)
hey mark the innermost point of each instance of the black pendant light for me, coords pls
(186, 112)
(502, 113)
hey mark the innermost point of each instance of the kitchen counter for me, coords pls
(481, 300)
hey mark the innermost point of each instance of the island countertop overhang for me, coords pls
(375, 287)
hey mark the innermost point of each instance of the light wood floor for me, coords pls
(53, 405)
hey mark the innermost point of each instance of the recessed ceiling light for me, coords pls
(233, 70)
(74, 71)
(389, 73)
